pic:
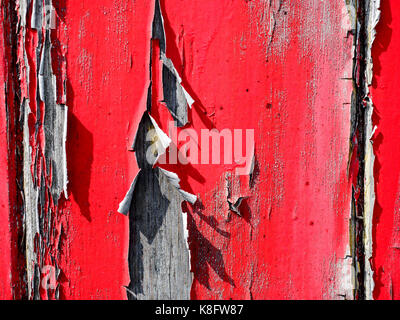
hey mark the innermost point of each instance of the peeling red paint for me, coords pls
(282, 68)
(5, 172)
(301, 195)
(12, 264)
(384, 94)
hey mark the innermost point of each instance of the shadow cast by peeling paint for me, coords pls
(245, 211)
(210, 220)
(80, 160)
(185, 171)
(383, 39)
(174, 55)
(205, 255)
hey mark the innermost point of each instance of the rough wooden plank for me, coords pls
(279, 226)
(6, 172)
(274, 67)
(12, 265)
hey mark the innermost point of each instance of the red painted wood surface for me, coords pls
(106, 74)
(285, 84)
(384, 94)
(5, 203)
(12, 263)
(282, 68)
(284, 79)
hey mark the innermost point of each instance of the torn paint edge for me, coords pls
(33, 208)
(165, 140)
(191, 198)
(372, 17)
(42, 94)
(174, 180)
(162, 143)
(31, 203)
(190, 101)
(166, 61)
(235, 206)
(373, 14)
(351, 8)
(369, 205)
(124, 206)
(185, 232)
(171, 67)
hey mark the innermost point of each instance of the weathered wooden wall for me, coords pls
(80, 92)
(384, 93)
